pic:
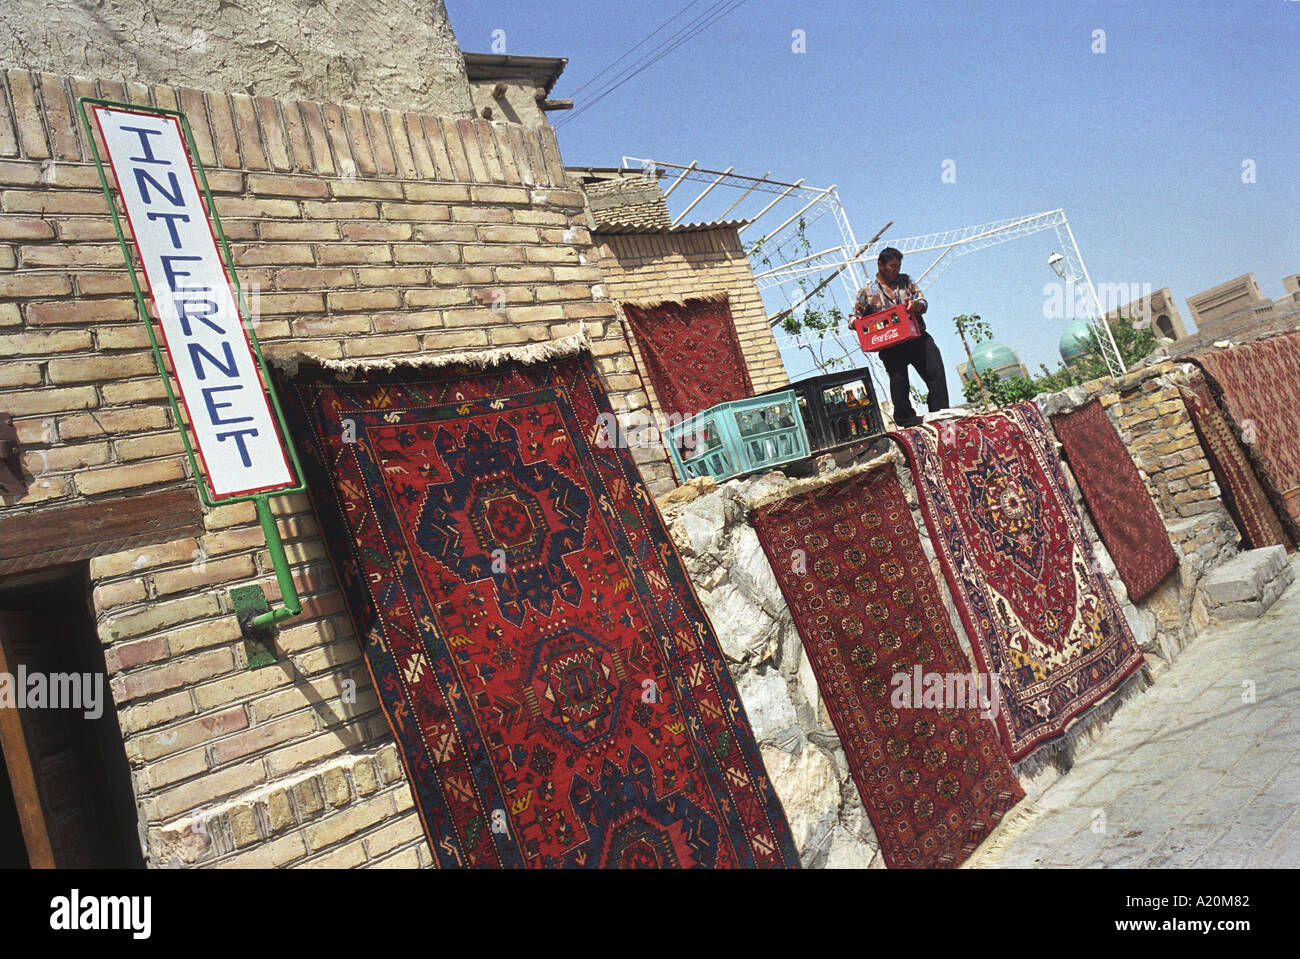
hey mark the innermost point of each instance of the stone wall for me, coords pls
(400, 54)
(800, 748)
(802, 753)
(358, 232)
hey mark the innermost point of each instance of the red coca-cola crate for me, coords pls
(887, 328)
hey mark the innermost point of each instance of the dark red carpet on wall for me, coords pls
(1260, 387)
(1245, 498)
(558, 697)
(932, 775)
(1121, 507)
(691, 353)
(1039, 612)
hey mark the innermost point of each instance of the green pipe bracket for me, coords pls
(257, 620)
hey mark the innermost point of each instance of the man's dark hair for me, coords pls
(888, 255)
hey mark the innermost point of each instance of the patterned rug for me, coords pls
(1260, 387)
(691, 353)
(558, 696)
(1244, 497)
(1038, 611)
(1120, 504)
(850, 564)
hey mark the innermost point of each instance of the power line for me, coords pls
(665, 46)
(628, 52)
(691, 30)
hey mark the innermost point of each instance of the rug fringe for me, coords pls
(525, 353)
(826, 479)
(1060, 752)
(704, 300)
(1013, 825)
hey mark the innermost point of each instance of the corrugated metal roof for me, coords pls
(619, 229)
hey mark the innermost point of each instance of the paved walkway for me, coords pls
(1190, 773)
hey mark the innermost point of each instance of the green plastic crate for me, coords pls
(739, 437)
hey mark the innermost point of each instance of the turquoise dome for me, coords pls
(992, 355)
(1075, 341)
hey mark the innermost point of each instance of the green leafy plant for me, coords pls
(818, 316)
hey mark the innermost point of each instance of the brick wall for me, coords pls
(358, 232)
(648, 268)
(635, 200)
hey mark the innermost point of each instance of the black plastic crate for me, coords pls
(838, 408)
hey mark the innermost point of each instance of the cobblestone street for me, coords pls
(1193, 772)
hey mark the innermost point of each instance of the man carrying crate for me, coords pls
(892, 288)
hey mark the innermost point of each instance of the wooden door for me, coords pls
(47, 752)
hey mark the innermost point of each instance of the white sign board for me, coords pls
(202, 330)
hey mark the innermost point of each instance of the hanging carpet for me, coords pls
(850, 564)
(1039, 612)
(1260, 386)
(1244, 497)
(557, 694)
(1121, 507)
(691, 353)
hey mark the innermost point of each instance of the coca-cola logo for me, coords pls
(887, 336)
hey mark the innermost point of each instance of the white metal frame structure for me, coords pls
(794, 276)
(955, 243)
(815, 204)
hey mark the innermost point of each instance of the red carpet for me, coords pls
(557, 695)
(1260, 386)
(1012, 547)
(1244, 497)
(1121, 507)
(934, 780)
(691, 353)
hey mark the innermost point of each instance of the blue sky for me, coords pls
(1142, 145)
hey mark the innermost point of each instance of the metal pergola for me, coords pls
(814, 203)
(954, 243)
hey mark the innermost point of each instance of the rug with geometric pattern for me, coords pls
(1121, 507)
(926, 761)
(691, 353)
(558, 696)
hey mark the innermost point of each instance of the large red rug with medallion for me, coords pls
(1121, 507)
(1038, 611)
(557, 694)
(926, 762)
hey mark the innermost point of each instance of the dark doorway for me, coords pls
(66, 795)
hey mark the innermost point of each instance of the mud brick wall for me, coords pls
(647, 268)
(358, 232)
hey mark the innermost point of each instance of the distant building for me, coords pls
(1155, 310)
(992, 356)
(1076, 343)
(1237, 310)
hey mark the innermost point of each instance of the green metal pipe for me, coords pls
(283, 575)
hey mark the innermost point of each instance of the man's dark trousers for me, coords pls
(922, 353)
